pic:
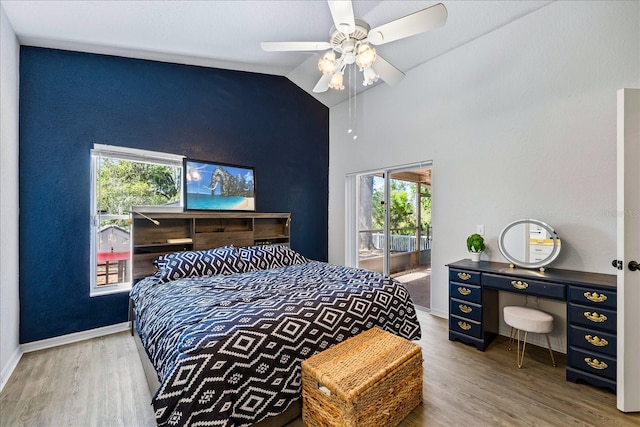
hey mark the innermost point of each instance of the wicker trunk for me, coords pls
(372, 379)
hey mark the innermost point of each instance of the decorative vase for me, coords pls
(475, 256)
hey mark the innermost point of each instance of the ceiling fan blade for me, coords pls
(323, 83)
(410, 25)
(387, 72)
(342, 14)
(294, 46)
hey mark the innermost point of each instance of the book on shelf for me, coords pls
(180, 240)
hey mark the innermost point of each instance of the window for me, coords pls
(122, 178)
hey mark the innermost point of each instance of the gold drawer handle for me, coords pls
(464, 276)
(597, 341)
(519, 285)
(464, 325)
(465, 308)
(595, 363)
(464, 291)
(595, 297)
(595, 317)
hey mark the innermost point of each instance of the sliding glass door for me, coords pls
(394, 226)
(372, 252)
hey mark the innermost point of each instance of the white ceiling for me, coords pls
(227, 34)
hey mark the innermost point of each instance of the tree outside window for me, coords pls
(121, 182)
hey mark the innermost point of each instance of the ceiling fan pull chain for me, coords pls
(350, 130)
(355, 103)
(352, 98)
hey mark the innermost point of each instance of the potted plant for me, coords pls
(475, 246)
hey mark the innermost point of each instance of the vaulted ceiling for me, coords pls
(227, 34)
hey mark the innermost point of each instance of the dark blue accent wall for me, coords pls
(71, 100)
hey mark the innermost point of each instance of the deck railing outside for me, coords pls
(400, 243)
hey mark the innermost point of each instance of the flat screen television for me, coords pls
(212, 186)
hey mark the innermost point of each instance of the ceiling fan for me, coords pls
(352, 39)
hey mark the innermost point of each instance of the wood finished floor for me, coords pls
(100, 382)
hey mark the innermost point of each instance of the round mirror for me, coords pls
(529, 243)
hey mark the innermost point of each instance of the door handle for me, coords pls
(617, 264)
(634, 266)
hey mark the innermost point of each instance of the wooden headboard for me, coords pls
(197, 231)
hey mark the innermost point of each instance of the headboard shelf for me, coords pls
(181, 231)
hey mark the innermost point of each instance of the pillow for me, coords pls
(160, 262)
(225, 260)
(269, 256)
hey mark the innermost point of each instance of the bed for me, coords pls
(226, 329)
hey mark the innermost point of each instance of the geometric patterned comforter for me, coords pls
(227, 349)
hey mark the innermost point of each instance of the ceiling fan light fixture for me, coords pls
(353, 39)
(369, 76)
(337, 81)
(366, 56)
(327, 64)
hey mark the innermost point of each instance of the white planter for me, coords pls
(475, 256)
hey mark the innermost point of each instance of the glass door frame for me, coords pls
(352, 190)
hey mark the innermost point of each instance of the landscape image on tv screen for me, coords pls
(218, 186)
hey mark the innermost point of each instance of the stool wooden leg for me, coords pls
(524, 344)
(553, 359)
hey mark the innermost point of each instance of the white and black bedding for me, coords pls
(227, 348)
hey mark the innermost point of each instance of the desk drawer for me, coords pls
(590, 296)
(465, 326)
(592, 341)
(593, 363)
(465, 292)
(592, 317)
(465, 309)
(525, 286)
(462, 276)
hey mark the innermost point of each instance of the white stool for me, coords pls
(528, 320)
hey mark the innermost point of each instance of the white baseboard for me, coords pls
(8, 369)
(11, 365)
(75, 337)
(438, 313)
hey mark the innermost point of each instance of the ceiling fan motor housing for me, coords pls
(342, 43)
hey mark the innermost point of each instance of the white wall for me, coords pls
(9, 300)
(520, 123)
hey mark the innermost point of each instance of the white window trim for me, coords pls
(126, 153)
(122, 153)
